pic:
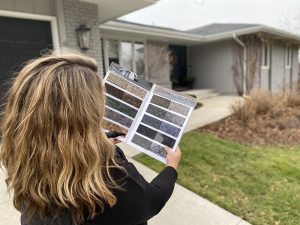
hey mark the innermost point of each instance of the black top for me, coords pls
(138, 203)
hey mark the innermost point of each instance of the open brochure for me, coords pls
(150, 116)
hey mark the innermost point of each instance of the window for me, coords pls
(139, 65)
(126, 55)
(129, 54)
(265, 57)
(112, 51)
(288, 56)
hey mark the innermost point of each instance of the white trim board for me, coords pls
(51, 19)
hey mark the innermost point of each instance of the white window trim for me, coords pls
(264, 44)
(51, 19)
(125, 39)
(288, 56)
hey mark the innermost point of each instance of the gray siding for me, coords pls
(278, 72)
(281, 77)
(295, 67)
(212, 66)
(264, 79)
(44, 7)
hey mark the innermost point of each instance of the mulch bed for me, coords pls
(279, 128)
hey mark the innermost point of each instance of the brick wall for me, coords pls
(77, 13)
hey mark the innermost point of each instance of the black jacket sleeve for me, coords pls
(156, 193)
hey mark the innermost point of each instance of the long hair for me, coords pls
(54, 148)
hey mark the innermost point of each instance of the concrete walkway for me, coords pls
(184, 207)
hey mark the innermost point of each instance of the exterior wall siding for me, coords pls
(295, 68)
(211, 65)
(44, 7)
(278, 72)
(280, 77)
(264, 79)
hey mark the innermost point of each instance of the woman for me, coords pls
(60, 165)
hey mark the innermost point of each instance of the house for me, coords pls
(230, 58)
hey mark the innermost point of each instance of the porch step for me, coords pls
(202, 93)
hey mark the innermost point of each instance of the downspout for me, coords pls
(244, 63)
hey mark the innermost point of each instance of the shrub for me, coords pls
(265, 102)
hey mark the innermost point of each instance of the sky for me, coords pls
(188, 14)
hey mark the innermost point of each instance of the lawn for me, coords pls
(259, 184)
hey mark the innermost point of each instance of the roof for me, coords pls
(217, 28)
(117, 27)
(204, 34)
(149, 26)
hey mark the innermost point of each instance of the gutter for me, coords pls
(239, 41)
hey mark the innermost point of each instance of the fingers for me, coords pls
(114, 140)
(167, 149)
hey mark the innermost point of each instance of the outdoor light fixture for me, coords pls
(83, 36)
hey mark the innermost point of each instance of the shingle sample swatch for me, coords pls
(169, 129)
(174, 96)
(131, 100)
(163, 102)
(120, 94)
(107, 125)
(140, 92)
(140, 141)
(115, 79)
(151, 121)
(156, 111)
(179, 108)
(165, 140)
(146, 131)
(121, 107)
(117, 117)
(173, 118)
(157, 149)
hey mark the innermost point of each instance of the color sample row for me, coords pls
(115, 116)
(175, 96)
(165, 115)
(149, 145)
(155, 135)
(110, 126)
(119, 106)
(125, 84)
(160, 125)
(171, 105)
(120, 94)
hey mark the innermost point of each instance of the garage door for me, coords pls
(20, 40)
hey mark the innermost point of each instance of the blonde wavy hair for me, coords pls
(54, 148)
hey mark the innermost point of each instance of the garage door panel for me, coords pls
(20, 40)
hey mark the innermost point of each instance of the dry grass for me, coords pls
(262, 118)
(264, 102)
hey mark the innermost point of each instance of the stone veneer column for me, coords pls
(77, 13)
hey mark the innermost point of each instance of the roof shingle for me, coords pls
(218, 28)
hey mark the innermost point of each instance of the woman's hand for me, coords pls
(114, 141)
(173, 158)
